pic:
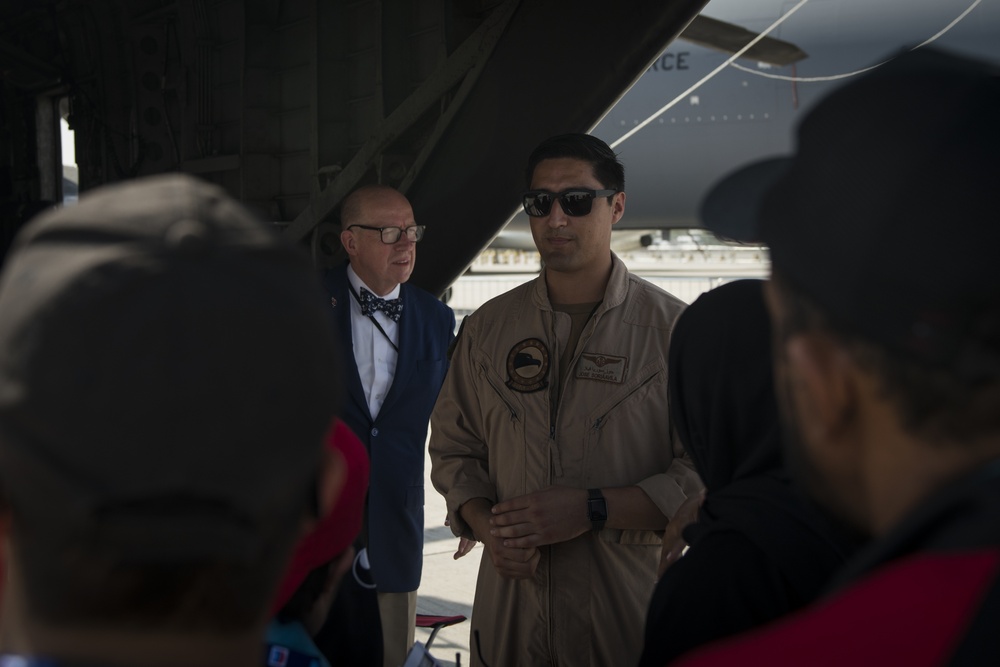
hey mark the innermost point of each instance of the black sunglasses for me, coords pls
(574, 202)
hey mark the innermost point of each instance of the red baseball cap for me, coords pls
(336, 531)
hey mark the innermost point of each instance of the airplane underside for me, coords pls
(291, 104)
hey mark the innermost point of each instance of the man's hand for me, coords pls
(510, 562)
(554, 514)
(673, 540)
(465, 545)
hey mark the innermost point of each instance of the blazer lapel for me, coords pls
(406, 359)
(342, 315)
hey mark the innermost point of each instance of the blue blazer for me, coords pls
(395, 439)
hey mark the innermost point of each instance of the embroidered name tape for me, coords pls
(603, 367)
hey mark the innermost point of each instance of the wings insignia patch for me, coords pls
(603, 367)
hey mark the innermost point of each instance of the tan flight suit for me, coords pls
(494, 434)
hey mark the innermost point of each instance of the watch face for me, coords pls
(597, 508)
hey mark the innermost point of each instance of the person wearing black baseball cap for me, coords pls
(167, 380)
(885, 299)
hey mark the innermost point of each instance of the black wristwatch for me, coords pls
(597, 509)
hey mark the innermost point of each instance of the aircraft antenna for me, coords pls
(711, 74)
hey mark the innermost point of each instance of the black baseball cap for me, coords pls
(167, 374)
(887, 216)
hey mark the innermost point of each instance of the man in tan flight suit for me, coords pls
(550, 438)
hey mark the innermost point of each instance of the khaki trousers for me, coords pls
(398, 612)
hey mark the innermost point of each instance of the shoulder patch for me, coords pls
(528, 366)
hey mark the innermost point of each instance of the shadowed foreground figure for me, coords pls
(887, 358)
(757, 550)
(167, 379)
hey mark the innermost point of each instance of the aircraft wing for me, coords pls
(728, 38)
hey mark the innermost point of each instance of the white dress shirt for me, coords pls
(375, 357)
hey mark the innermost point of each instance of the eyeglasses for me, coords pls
(575, 202)
(390, 235)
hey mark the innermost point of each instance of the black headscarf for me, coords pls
(758, 550)
(723, 404)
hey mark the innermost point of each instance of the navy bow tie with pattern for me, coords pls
(392, 308)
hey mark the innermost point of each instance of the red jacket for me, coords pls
(928, 594)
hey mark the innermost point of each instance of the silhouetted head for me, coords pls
(885, 292)
(168, 374)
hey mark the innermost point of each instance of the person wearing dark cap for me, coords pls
(887, 354)
(757, 549)
(320, 560)
(167, 379)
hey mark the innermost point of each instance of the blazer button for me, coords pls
(375, 432)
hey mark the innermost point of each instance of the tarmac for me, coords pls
(447, 586)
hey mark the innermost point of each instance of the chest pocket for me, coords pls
(628, 430)
(499, 398)
(503, 431)
(628, 441)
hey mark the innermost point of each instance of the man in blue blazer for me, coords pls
(395, 340)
